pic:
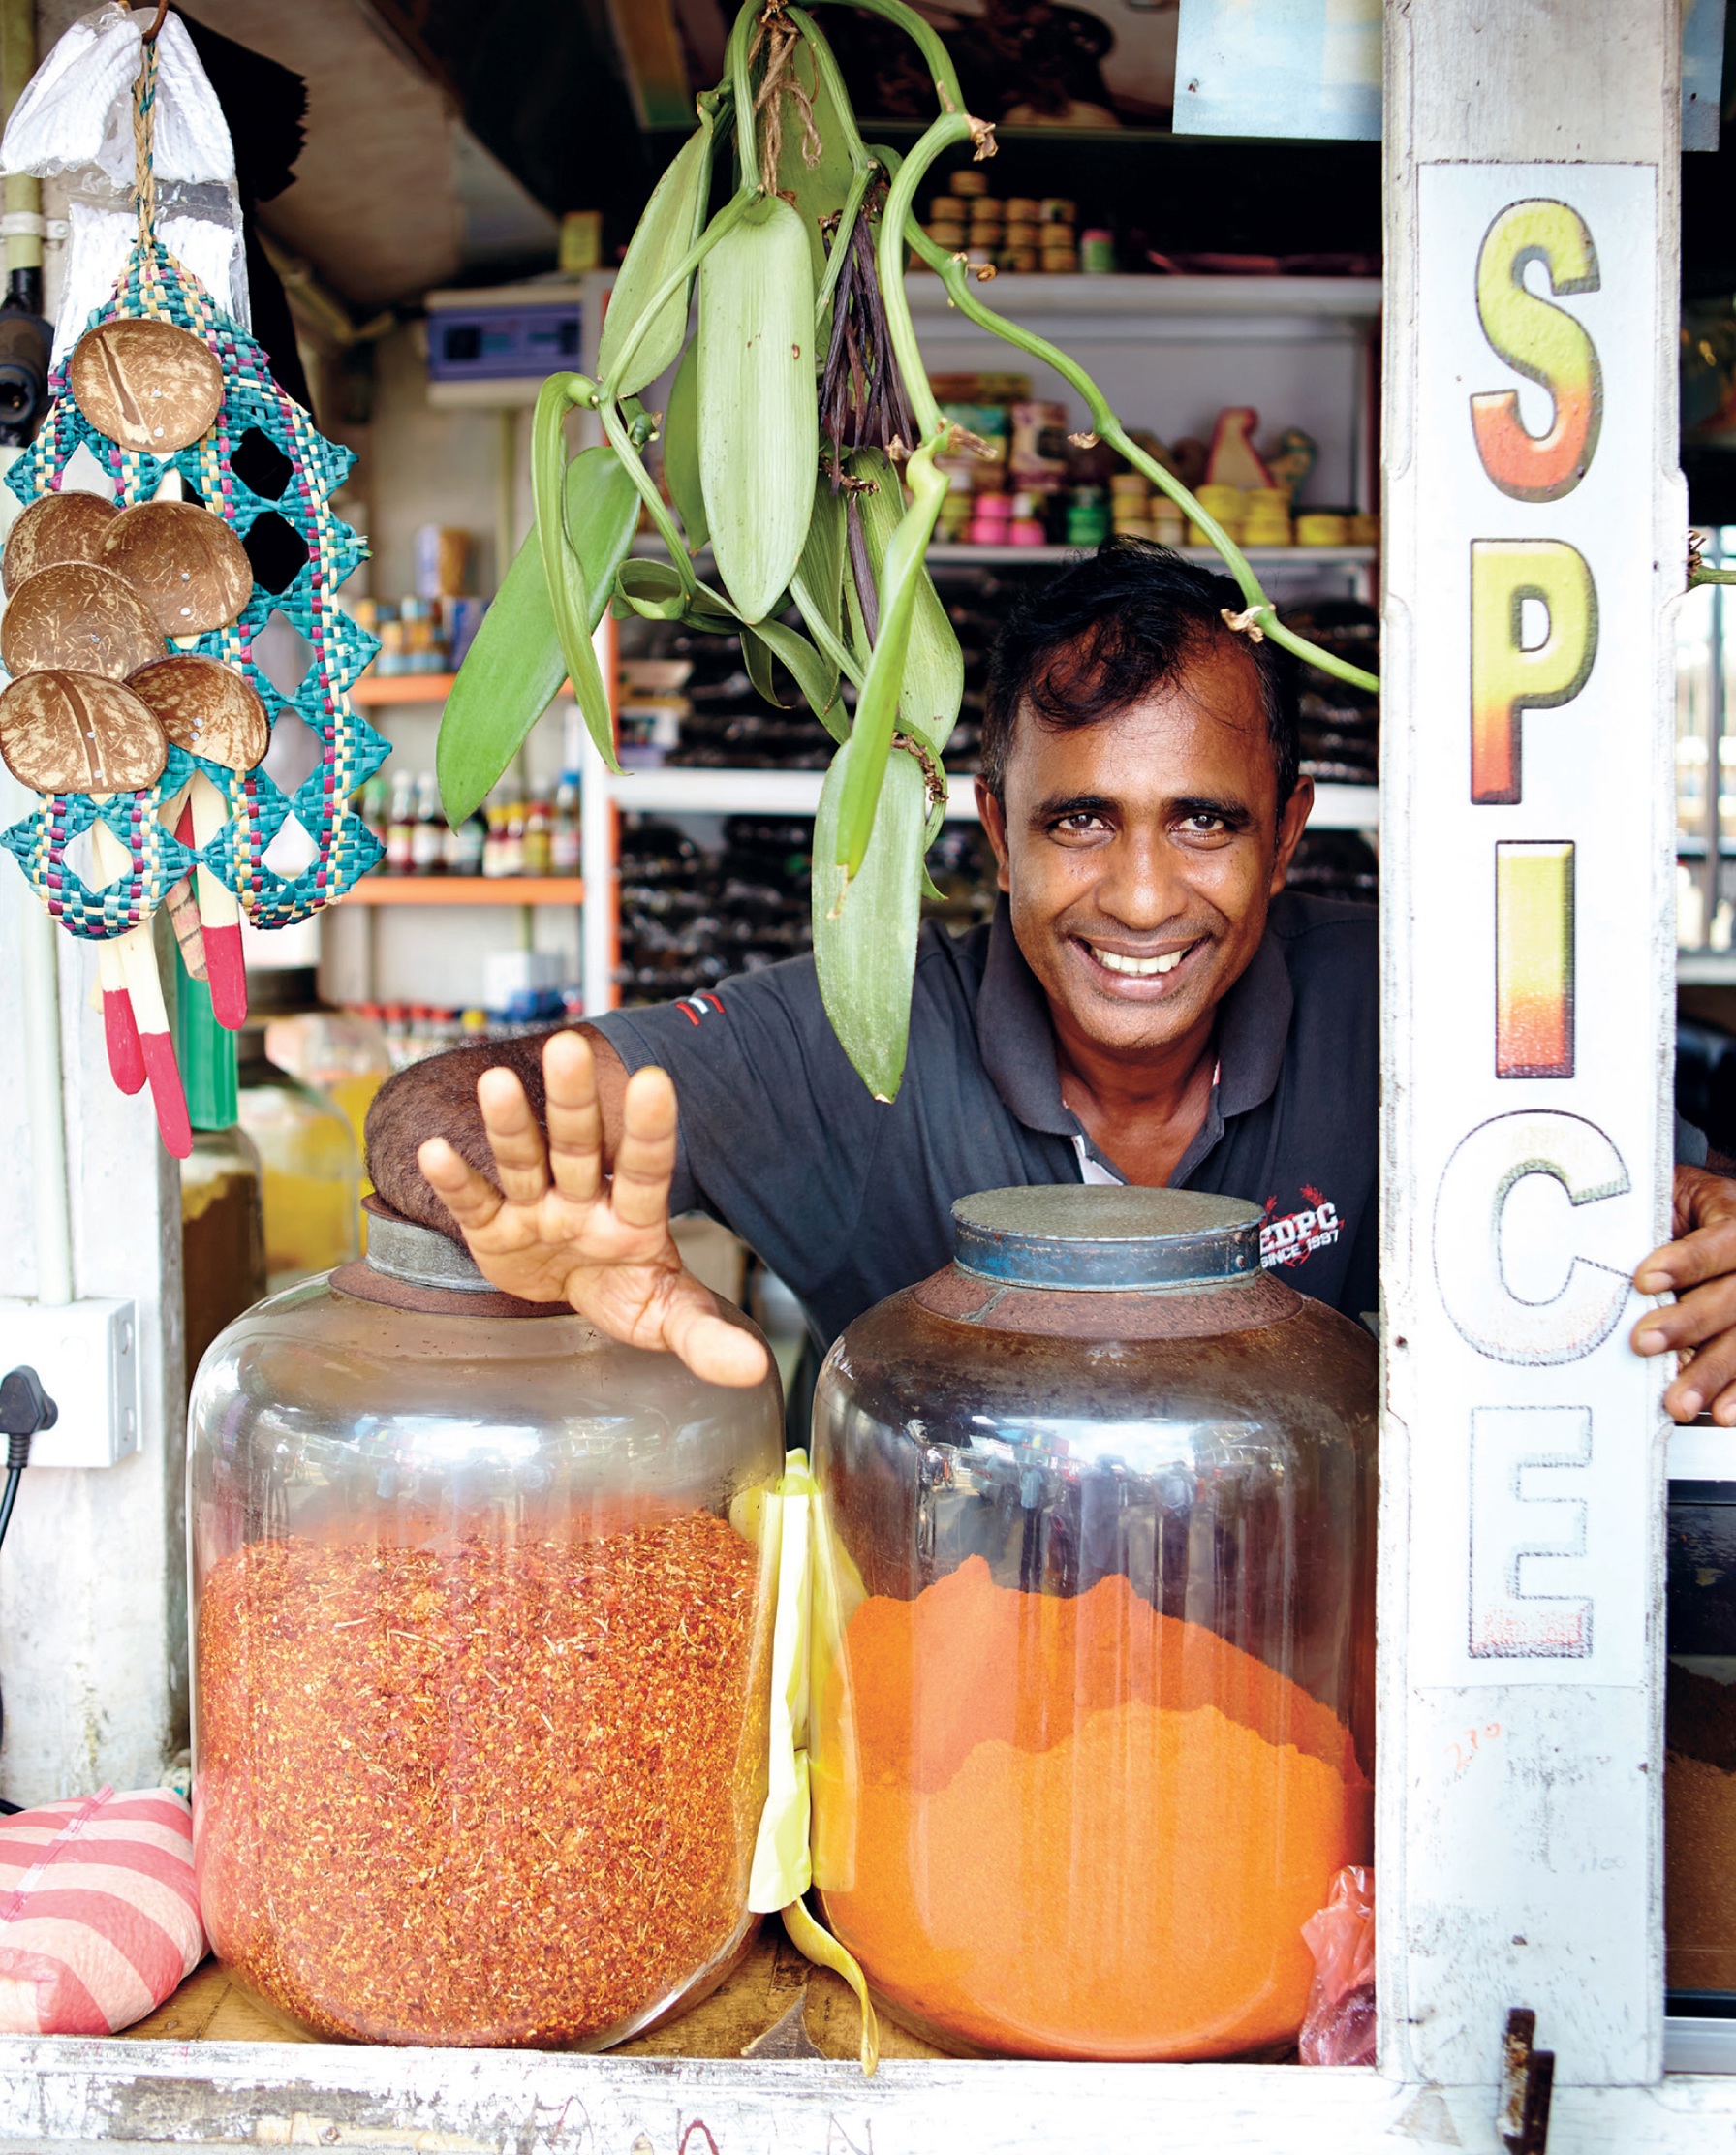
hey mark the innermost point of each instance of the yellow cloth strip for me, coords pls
(782, 1869)
(819, 1946)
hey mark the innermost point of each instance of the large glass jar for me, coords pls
(1095, 1643)
(480, 1659)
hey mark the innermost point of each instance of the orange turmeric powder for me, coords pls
(1075, 1827)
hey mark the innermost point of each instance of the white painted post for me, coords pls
(93, 1628)
(1534, 537)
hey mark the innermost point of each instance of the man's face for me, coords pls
(1139, 853)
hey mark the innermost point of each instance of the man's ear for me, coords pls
(994, 822)
(1291, 826)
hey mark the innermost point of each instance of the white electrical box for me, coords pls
(86, 1355)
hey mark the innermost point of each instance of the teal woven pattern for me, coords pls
(350, 749)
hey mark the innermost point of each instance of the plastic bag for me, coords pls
(1339, 2025)
(75, 118)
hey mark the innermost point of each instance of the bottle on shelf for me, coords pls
(511, 840)
(462, 849)
(400, 824)
(565, 842)
(427, 833)
(538, 834)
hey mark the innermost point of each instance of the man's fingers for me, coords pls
(520, 1157)
(574, 1116)
(1708, 1384)
(470, 1197)
(712, 1347)
(1699, 1316)
(645, 1157)
(1709, 1253)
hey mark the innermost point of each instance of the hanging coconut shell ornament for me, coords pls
(147, 384)
(188, 565)
(68, 732)
(206, 708)
(60, 527)
(80, 617)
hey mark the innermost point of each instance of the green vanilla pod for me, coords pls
(933, 687)
(759, 414)
(902, 579)
(865, 925)
(673, 219)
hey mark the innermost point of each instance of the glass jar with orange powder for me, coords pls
(1094, 1683)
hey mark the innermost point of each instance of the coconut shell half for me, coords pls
(69, 732)
(80, 617)
(186, 564)
(59, 527)
(206, 708)
(147, 384)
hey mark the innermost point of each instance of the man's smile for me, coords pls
(1136, 969)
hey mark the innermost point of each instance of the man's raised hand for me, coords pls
(558, 1230)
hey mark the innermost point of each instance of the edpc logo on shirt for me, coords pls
(1290, 1239)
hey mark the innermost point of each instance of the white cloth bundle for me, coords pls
(76, 117)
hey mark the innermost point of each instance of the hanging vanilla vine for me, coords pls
(799, 420)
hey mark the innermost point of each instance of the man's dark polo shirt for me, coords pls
(849, 1200)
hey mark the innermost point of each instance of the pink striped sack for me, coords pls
(99, 1917)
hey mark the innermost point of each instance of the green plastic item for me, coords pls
(208, 1055)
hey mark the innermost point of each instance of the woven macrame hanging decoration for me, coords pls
(196, 836)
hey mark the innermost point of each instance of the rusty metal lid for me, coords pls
(1091, 1238)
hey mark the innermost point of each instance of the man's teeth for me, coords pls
(1141, 967)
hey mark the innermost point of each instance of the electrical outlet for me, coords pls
(86, 1355)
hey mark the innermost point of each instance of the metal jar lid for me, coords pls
(420, 1256)
(1091, 1238)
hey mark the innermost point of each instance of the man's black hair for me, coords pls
(1110, 629)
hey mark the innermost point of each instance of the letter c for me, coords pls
(1468, 1210)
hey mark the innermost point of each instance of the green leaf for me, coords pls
(672, 221)
(681, 449)
(820, 190)
(653, 589)
(603, 513)
(756, 656)
(510, 674)
(822, 567)
(865, 927)
(878, 707)
(758, 412)
(568, 594)
(513, 669)
(813, 676)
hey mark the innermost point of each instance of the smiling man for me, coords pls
(1149, 1005)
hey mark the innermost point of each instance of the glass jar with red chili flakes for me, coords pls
(482, 1647)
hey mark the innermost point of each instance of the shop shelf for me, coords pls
(649, 545)
(413, 890)
(1258, 557)
(402, 688)
(680, 791)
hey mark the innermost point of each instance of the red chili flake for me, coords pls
(493, 1793)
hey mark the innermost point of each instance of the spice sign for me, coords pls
(1533, 1109)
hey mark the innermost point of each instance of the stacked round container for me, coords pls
(481, 1655)
(1094, 1638)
